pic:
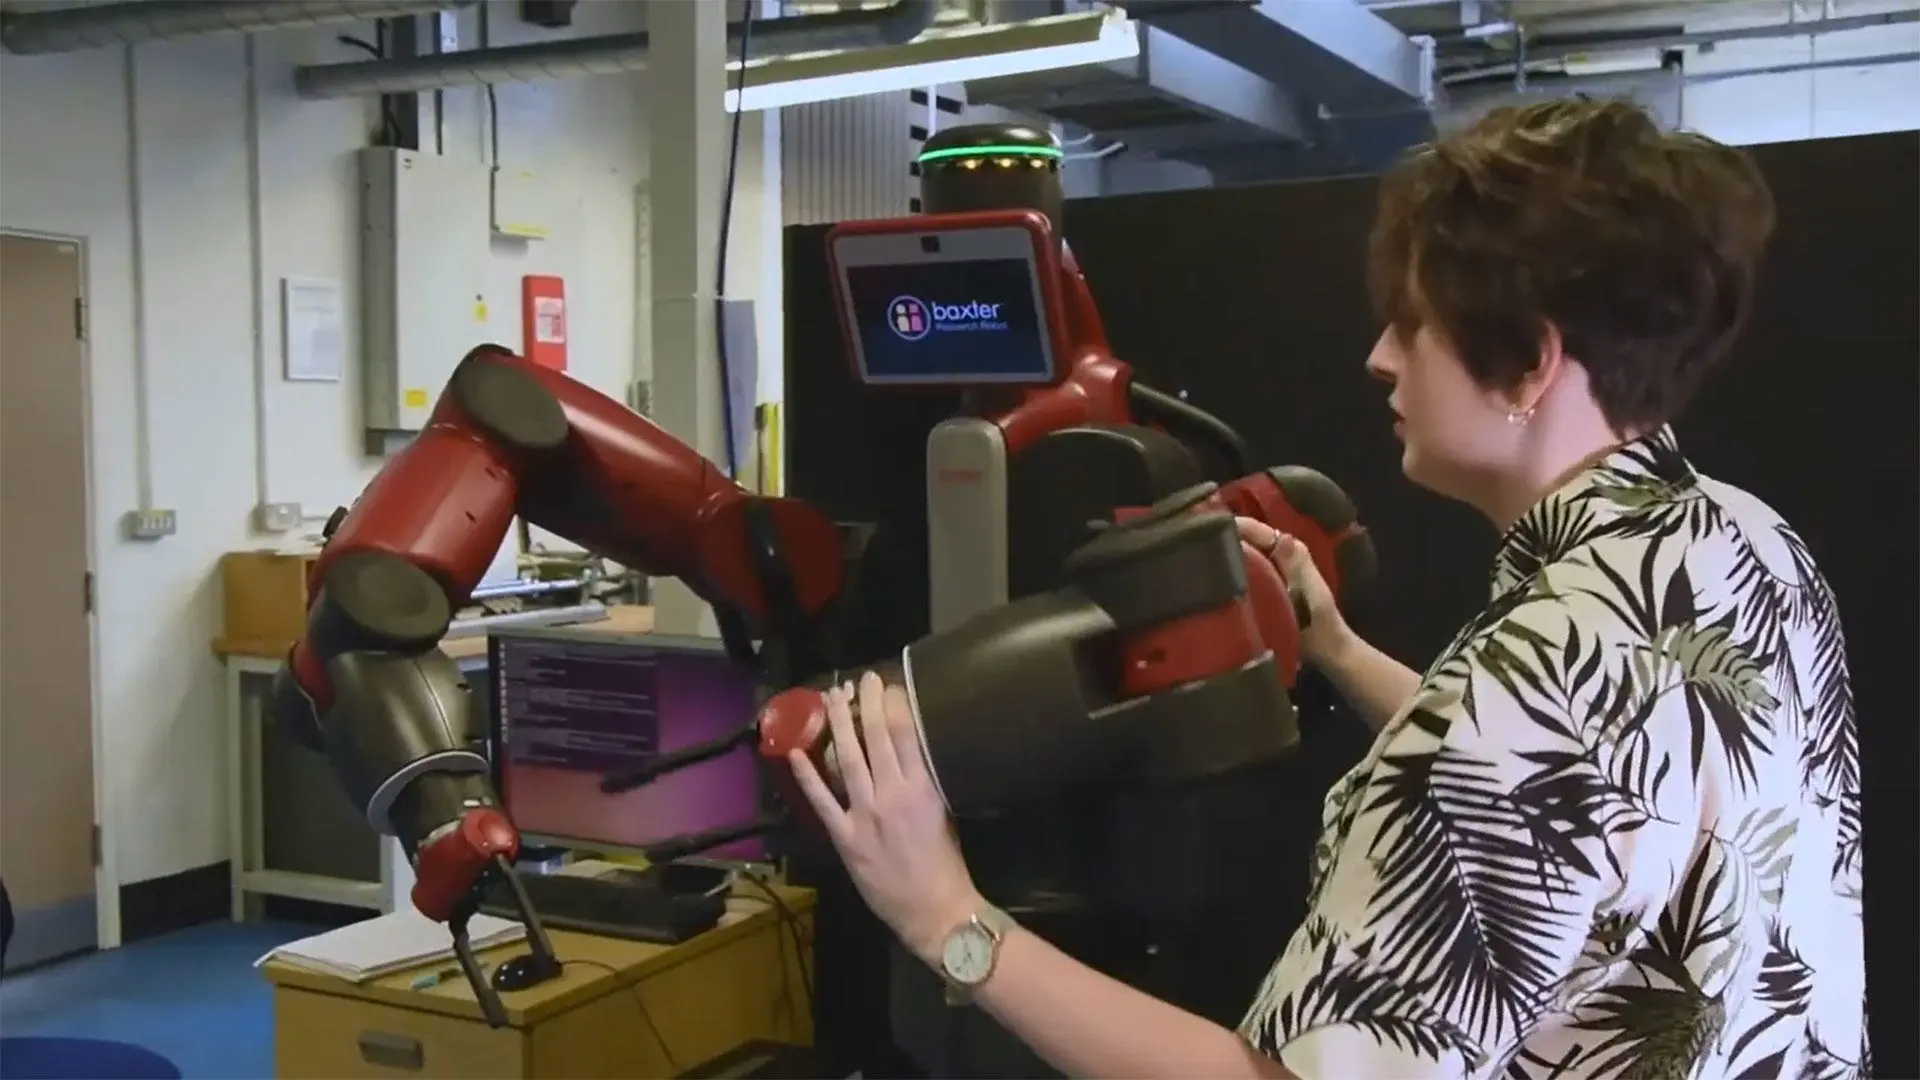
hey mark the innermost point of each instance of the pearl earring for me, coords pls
(1519, 417)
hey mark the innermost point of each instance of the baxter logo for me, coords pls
(911, 318)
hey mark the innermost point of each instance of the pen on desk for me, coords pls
(435, 978)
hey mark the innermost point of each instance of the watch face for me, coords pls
(967, 956)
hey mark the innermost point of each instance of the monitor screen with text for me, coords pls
(572, 710)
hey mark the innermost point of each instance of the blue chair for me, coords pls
(37, 1058)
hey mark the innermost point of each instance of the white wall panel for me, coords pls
(68, 161)
(848, 160)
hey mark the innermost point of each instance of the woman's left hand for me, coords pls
(893, 833)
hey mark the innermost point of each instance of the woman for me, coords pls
(1614, 830)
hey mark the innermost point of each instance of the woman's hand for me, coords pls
(893, 832)
(1326, 631)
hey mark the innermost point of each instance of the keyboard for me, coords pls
(619, 906)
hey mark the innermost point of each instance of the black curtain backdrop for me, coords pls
(1251, 301)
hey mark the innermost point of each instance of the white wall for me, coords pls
(68, 161)
(1820, 103)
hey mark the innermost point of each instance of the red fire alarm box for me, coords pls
(543, 319)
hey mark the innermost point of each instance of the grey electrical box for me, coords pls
(425, 257)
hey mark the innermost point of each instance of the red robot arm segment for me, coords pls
(445, 871)
(367, 684)
(1096, 391)
(511, 437)
(1100, 390)
(1308, 506)
(1304, 504)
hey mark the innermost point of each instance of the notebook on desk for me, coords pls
(366, 950)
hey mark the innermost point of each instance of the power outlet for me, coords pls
(277, 517)
(150, 524)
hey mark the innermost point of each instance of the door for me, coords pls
(47, 839)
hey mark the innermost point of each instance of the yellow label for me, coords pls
(480, 312)
(416, 399)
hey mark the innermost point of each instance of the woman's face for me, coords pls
(1454, 434)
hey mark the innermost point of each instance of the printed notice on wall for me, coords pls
(550, 320)
(313, 335)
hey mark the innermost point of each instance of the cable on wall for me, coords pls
(389, 134)
(137, 242)
(726, 234)
(256, 266)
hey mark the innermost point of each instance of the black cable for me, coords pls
(646, 1014)
(726, 233)
(389, 124)
(791, 922)
(493, 102)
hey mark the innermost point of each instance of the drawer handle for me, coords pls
(390, 1051)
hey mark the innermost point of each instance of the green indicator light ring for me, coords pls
(990, 152)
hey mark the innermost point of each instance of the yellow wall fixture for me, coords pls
(768, 478)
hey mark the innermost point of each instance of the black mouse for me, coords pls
(524, 972)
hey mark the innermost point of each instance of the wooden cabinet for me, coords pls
(264, 594)
(623, 1009)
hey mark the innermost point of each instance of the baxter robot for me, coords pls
(1098, 785)
(1156, 660)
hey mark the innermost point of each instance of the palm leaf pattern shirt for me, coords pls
(1616, 832)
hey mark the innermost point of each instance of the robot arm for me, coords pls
(367, 683)
(1166, 659)
(1068, 689)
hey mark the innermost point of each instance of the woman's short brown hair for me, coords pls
(1640, 246)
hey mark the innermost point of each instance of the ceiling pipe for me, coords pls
(895, 24)
(1560, 48)
(1498, 77)
(93, 26)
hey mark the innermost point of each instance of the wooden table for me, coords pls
(621, 1008)
(323, 850)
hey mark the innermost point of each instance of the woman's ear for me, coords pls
(1535, 385)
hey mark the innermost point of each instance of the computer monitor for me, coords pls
(570, 707)
(950, 299)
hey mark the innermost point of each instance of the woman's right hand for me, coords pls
(1326, 628)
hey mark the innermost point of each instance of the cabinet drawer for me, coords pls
(324, 1037)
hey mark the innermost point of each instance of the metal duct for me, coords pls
(93, 26)
(1335, 51)
(1543, 55)
(896, 24)
(1559, 48)
(1170, 97)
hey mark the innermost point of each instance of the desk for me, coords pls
(625, 1009)
(290, 830)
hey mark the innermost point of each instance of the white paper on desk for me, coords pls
(380, 946)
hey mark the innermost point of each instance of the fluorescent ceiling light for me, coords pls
(1620, 63)
(937, 57)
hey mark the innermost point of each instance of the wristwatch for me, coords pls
(970, 951)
